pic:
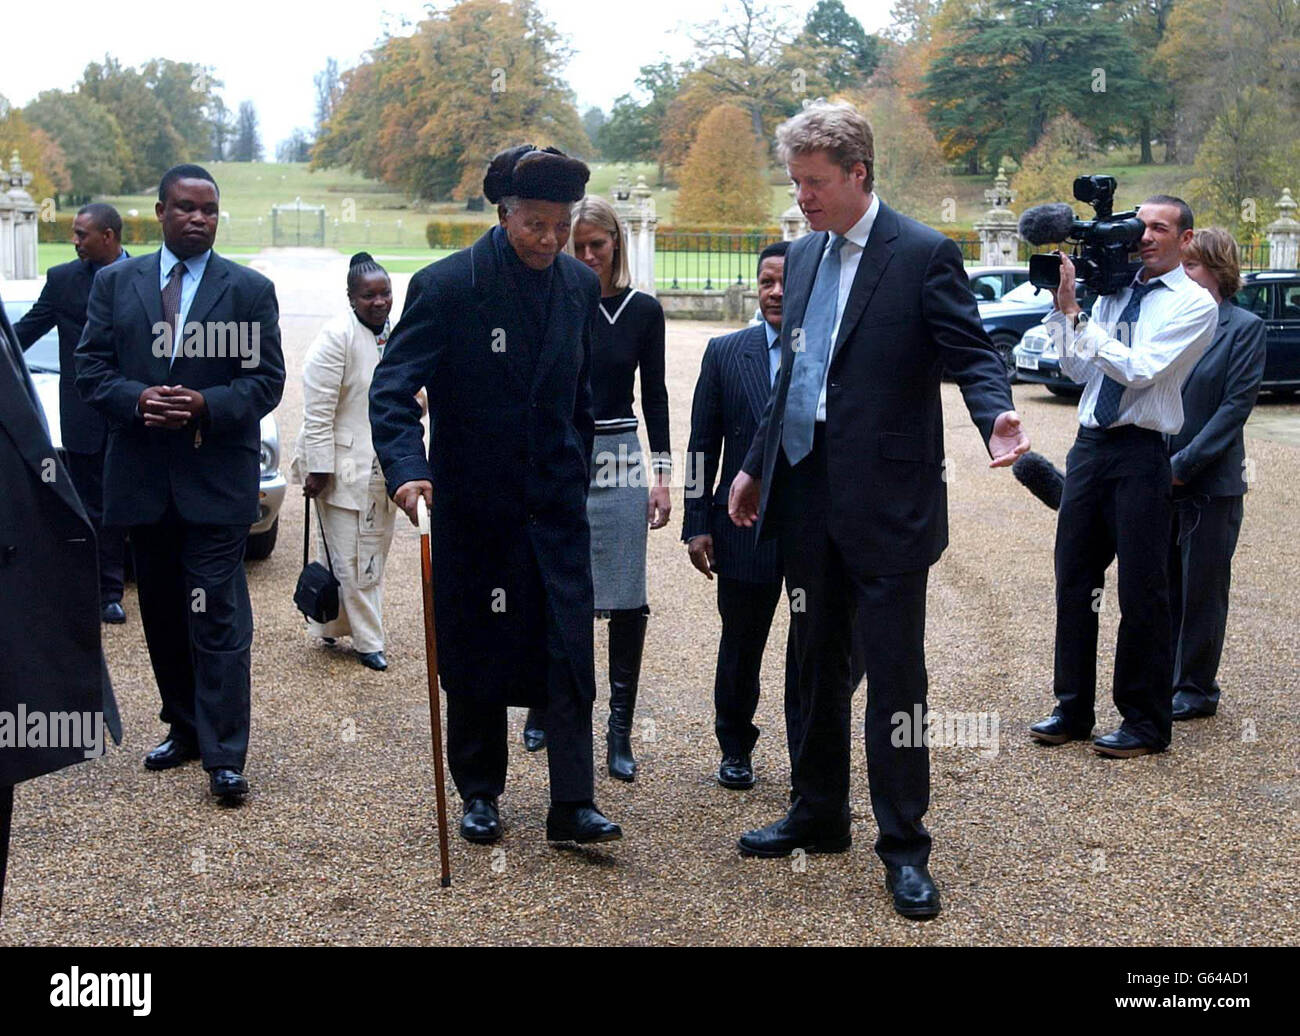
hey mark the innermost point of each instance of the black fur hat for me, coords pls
(530, 172)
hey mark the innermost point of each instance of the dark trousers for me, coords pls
(1205, 531)
(746, 610)
(87, 471)
(477, 740)
(198, 623)
(1116, 504)
(847, 612)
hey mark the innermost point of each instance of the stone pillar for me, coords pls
(637, 213)
(999, 242)
(18, 253)
(793, 223)
(1283, 235)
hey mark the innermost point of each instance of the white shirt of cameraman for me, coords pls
(1151, 360)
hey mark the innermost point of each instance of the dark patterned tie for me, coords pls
(171, 302)
(1106, 412)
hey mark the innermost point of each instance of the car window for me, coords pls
(1290, 301)
(1027, 294)
(1254, 298)
(987, 287)
(43, 355)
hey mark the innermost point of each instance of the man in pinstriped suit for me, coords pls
(736, 377)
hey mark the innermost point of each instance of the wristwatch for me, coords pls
(1080, 321)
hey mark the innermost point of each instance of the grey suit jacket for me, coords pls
(1209, 451)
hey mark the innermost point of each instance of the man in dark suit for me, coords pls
(736, 377)
(500, 337)
(1208, 462)
(848, 466)
(97, 237)
(52, 667)
(181, 354)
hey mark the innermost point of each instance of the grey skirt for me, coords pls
(616, 509)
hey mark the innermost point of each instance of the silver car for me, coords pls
(43, 361)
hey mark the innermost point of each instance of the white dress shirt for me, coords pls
(1175, 326)
(773, 352)
(194, 267)
(855, 241)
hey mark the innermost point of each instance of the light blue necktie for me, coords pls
(812, 344)
(1110, 392)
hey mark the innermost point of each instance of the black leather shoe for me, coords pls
(169, 754)
(373, 660)
(230, 786)
(1185, 709)
(1120, 744)
(785, 836)
(481, 823)
(1055, 731)
(113, 613)
(535, 730)
(913, 890)
(583, 822)
(736, 772)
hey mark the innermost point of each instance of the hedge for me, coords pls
(136, 230)
(454, 233)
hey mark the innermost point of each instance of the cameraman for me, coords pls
(1132, 356)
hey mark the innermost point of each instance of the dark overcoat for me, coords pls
(510, 439)
(51, 659)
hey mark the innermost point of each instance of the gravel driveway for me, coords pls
(1031, 845)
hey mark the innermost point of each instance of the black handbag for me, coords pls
(317, 593)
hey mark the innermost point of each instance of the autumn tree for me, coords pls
(37, 151)
(724, 179)
(909, 166)
(93, 146)
(1065, 150)
(152, 141)
(426, 112)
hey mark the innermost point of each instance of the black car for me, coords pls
(1021, 308)
(1272, 295)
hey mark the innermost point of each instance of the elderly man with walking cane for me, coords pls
(500, 336)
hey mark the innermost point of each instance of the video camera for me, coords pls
(1104, 247)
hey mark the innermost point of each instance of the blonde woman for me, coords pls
(623, 500)
(336, 462)
(1207, 457)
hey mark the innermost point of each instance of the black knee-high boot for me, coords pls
(626, 639)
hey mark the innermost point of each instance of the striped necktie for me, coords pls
(1109, 394)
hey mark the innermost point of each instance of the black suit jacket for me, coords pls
(730, 395)
(509, 453)
(63, 305)
(50, 655)
(910, 314)
(211, 472)
(1209, 451)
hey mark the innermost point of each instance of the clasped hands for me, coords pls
(170, 406)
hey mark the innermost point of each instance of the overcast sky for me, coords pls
(267, 51)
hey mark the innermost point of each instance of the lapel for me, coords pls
(498, 308)
(566, 302)
(1216, 343)
(216, 279)
(875, 257)
(23, 425)
(146, 287)
(755, 370)
(799, 287)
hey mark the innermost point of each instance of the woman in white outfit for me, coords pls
(336, 461)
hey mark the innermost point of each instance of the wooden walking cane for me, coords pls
(435, 709)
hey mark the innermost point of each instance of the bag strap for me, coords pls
(306, 535)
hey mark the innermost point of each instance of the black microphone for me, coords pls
(1040, 476)
(1046, 224)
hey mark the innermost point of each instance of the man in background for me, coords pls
(97, 237)
(736, 377)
